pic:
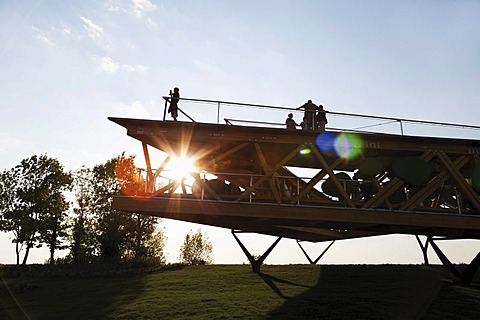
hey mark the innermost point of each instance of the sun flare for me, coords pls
(179, 167)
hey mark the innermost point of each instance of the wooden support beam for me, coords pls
(150, 176)
(329, 170)
(319, 176)
(392, 186)
(225, 154)
(266, 168)
(432, 185)
(162, 166)
(268, 174)
(460, 180)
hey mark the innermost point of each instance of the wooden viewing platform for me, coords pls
(352, 184)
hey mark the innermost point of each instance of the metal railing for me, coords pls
(213, 110)
(289, 189)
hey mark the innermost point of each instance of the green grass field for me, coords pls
(234, 292)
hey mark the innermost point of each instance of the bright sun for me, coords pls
(180, 167)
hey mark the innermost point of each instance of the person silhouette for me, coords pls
(310, 109)
(173, 108)
(303, 124)
(321, 119)
(291, 124)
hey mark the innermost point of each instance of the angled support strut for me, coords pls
(463, 277)
(424, 248)
(256, 263)
(319, 257)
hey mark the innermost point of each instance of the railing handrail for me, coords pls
(400, 120)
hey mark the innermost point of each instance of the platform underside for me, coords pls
(304, 223)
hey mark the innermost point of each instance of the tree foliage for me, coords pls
(34, 205)
(196, 249)
(82, 233)
(34, 209)
(118, 235)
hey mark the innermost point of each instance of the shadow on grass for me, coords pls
(40, 294)
(455, 302)
(271, 280)
(377, 292)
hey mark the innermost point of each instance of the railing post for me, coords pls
(251, 183)
(401, 126)
(165, 110)
(459, 203)
(218, 113)
(298, 190)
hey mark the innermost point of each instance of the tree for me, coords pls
(109, 224)
(34, 207)
(145, 242)
(196, 249)
(120, 234)
(82, 235)
(143, 239)
(10, 211)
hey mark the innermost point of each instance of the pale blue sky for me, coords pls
(65, 66)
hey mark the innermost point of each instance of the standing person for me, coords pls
(173, 108)
(291, 124)
(321, 119)
(303, 124)
(310, 109)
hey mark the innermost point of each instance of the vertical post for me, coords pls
(401, 126)
(150, 179)
(165, 110)
(251, 183)
(298, 190)
(218, 113)
(459, 204)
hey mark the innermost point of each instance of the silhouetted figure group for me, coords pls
(314, 118)
(173, 108)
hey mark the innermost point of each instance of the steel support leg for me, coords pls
(319, 257)
(424, 248)
(464, 277)
(256, 263)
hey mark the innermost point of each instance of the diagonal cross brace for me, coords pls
(268, 174)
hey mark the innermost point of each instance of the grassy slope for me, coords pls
(233, 291)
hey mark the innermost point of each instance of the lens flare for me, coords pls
(348, 145)
(305, 151)
(344, 145)
(325, 141)
(180, 167)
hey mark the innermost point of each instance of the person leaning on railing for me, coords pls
(310, 109)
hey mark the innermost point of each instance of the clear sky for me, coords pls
(65, 66)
